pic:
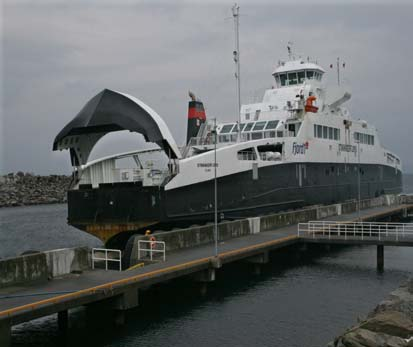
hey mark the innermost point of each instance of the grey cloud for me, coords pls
(57, 56)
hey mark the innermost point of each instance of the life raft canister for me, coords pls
(309, 107)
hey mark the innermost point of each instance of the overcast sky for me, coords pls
(56, 56)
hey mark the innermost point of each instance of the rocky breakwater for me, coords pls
(390, 324)
(28, 189)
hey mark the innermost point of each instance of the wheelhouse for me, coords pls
(296, 72)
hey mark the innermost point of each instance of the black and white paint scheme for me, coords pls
(298, 146)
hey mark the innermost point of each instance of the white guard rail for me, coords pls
(109, 255)
(361, 230)
(147, 248)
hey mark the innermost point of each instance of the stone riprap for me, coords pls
(27, 189)
(390, 324)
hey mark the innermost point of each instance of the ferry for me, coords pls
(298, 146)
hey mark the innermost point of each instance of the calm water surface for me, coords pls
(294, 302)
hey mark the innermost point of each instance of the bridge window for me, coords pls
(292, 78)
(310, 75)
(301, 76)
(283, 79)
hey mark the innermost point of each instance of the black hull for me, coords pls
(279, 187)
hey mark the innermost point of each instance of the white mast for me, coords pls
(235, 15)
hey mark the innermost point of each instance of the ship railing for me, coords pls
(270, 156)
(107, 256)
(246, 155)
(147, 248)
(356, 230)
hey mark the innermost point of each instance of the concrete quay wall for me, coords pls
(43, 266)
(201, 235)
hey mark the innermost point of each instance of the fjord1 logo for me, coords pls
(299, 148)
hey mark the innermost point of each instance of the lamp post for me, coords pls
(358, 180)
(215, 190)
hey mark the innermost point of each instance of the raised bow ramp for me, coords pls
(111, 111)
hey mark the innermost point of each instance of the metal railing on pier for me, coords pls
(356, 230)
(106, 255)
(146, 249)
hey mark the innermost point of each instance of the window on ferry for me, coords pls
(234, 137)
(246, 136)
(226, 128)
(292, 78)
(315, 130)
(301, 76)
(372, 140)
(241, 126)
(310, 75)
(224, 138)
(247, 154)
(270, 152)
(248, 127)
(283, 79)
(279, 134)
(325, 132)
(247, 116)
(272, 124)
(259, 126)
(256, 136)
(330, 133)
(235, 128)
(336, 134)
(319, 131)
(257, 114)
(269, 134)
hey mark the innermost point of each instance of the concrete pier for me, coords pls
(117, 292)
(63, 320)
(380, 258)
(5, 333)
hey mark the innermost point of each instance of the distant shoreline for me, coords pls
(25, 189)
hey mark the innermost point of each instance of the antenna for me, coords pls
(289, 49)
(235, 15)
(338, 70)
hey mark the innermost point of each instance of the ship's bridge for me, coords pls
(295, 72)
